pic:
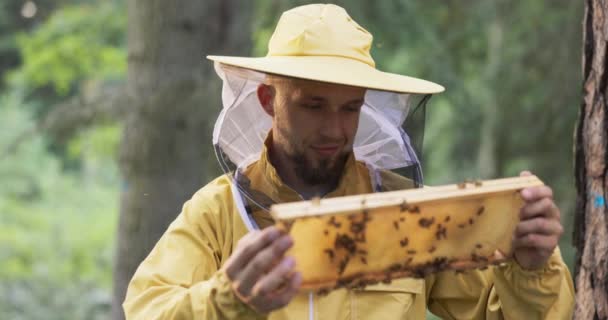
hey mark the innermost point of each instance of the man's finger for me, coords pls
(275, 278)
(260, 264)
(536, 193)
(525, 173)
(285, 295)
(540, 226)
(544, 207)
(248, 247)
(536, 241)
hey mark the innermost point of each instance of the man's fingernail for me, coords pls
(285, 242)
(273, 234)
(289, 262)
(525, 193)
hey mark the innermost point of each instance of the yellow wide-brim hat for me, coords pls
(322, 42)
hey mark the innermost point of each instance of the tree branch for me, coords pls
(108, 103)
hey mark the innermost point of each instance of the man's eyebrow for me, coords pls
(322, 99)
(315, 98)
(356, 101)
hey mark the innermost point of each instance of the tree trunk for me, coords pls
(486, 156)
(591, 220)
(166, 152)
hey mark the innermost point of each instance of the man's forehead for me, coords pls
(304, 87)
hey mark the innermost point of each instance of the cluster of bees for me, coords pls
(349, 246)
(349, 243)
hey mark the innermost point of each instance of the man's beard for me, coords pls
(326, 172)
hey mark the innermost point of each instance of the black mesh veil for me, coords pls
(413, 127)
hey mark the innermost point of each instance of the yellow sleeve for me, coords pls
(504, 292)
(180, 278)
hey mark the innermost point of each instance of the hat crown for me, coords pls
(320, 30)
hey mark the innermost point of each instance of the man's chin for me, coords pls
(326, 161)
(317, 170)
(327, 170)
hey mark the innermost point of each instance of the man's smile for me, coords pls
(326, 150)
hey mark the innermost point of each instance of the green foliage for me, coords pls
(57, 225)
(76, 43)
(57, 228)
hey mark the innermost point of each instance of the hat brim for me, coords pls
(331, 69)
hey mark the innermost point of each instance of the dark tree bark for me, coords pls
(591, 219)
(166, 152)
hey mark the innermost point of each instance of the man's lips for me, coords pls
(326, 150)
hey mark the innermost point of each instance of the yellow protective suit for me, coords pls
(180, 279)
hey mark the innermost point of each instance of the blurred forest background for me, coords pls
(511, 69)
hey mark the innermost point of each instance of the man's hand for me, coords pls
(261, 275)
(538, 232)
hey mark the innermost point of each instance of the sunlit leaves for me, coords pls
(76, 43)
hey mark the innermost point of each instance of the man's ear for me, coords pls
(266, 96)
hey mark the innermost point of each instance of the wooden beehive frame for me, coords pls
(356, 240)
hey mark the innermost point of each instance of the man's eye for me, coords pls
(311, 106)
(353, 108)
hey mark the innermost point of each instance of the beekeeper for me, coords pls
(316, 118)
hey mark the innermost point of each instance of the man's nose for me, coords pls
(332, 123)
